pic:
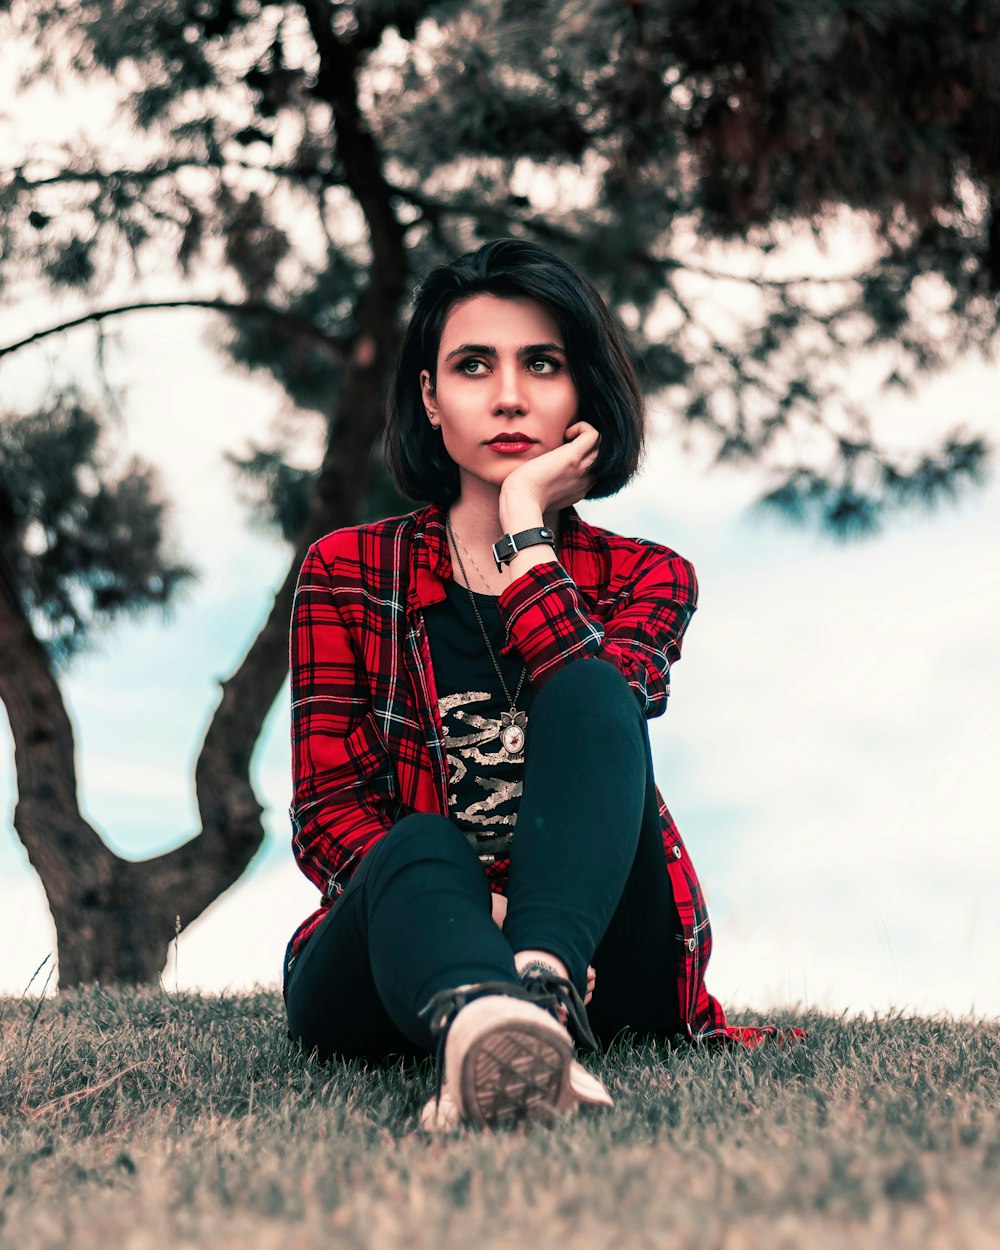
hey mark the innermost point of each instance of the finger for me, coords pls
(586, 447)
(579, 429)
(593, 444)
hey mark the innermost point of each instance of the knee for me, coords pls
(585, 685)
(423, 836)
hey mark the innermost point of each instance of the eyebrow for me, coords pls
(484, 349)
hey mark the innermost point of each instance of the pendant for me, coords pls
(512, 725)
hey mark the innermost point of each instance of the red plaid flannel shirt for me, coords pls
(367, 740)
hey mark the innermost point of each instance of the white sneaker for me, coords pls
(507, 1060)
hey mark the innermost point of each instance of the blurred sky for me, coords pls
(829, 752)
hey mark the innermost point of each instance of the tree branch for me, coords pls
(670, 264)
(251, 308)
(61, 845)
(162, 169)
(336, 84)
(231, 828)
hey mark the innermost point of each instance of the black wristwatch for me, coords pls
(507, 548)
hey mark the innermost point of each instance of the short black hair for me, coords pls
(608, 392)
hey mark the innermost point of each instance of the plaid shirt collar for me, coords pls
(584, 554)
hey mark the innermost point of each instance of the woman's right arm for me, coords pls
(343, 781)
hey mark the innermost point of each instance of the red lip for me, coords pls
(515, 437)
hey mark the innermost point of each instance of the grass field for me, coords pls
(144, 1119)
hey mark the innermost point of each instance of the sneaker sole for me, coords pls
(516, 1071)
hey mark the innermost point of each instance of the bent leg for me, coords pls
(580, 813)
(638, 957)
(414, 919)
(588, 878)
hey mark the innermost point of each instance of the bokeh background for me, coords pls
(830, 748)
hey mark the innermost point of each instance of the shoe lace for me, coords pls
(560, 996)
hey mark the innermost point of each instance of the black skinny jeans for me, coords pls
(588, 882)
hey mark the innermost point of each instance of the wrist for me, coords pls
(519, 512)
(510, 546)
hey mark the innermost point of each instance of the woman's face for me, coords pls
(501, 369)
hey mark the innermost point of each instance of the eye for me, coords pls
(471, 366)
(543, 365)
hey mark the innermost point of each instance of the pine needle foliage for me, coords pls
(82, 539)
(673, 150)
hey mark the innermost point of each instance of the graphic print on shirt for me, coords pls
(484, 781)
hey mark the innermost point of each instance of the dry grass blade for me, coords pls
(65, 1101)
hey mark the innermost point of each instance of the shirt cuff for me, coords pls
(546, 620)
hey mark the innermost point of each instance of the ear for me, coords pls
(427, 392)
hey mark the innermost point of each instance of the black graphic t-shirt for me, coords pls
(484, 779)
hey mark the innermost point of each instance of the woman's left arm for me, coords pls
(549, 626)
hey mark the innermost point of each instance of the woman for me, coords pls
(473, 784)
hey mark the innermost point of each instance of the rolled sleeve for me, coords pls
(550, 624)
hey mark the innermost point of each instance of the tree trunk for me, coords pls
(115, 919)
(108, 924)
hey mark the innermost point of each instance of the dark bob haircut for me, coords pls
(603, 374)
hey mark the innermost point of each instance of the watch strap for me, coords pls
(506, 548)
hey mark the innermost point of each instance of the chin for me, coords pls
(496, 478)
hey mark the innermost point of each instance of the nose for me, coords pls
(509, 395)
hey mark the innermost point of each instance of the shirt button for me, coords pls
(691, 944)
(677, 852)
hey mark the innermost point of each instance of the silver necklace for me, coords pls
(512, 723)
(482, 578)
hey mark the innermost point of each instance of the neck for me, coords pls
(476, 523)
(476, 520)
